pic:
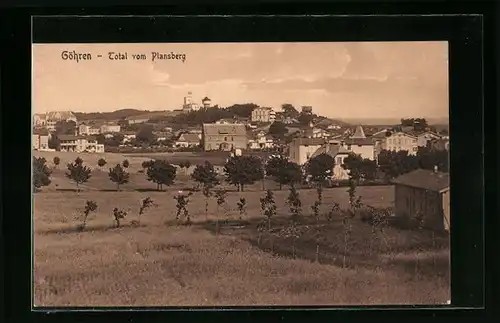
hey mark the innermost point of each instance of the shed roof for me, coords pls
(424, 179)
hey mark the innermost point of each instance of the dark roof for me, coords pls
(72, 137)
(211, 129)
(424, 179)
(69, 137)
(189, 137)
(359, 141)
(41, 132)
(330, 149)
(309, 141)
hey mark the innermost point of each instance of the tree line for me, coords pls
(241, 171)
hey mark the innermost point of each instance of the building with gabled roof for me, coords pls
(359, 133)
(424, 193)
(301, 149)
(226, 137)
(338, 153)
(190, 140)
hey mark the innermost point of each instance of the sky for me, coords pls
(338, 79)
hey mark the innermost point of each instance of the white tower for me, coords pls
(188, 99)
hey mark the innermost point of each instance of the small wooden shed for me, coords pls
(427, 192)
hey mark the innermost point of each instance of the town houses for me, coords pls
(237, 132)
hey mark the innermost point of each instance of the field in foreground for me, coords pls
(163, 264)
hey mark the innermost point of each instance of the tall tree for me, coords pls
(205, 175)
(289, 111)
(320, 168)
(78, 173)
(145, 134)
(56, 161)
(41, 173)
(360, 168)
(101, 162)
(283, 171)
(54, 142)
(428, 158)
(393, 163)
(278, 130)
(65, 127)
(243, 170)
(305, 118)
(118, 175)
(161, 173)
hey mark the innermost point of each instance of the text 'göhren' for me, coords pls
(120, 56)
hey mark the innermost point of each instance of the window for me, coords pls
(339, 160)
(232, 138)
(225, 138)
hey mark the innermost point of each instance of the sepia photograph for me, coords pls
(240, 174)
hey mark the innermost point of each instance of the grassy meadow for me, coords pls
(164, 263)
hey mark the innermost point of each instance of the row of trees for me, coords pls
(242, 171)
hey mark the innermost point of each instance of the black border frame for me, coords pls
(465, 34)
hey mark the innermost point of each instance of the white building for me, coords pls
(359, 144)
(80, 144)
(51, 118)
(110, 128)
(84, 129)
(338, 153)
(39, 120)
(40, 140)
(261, 141)
(189, 105)
(207, 103)
(301, 149)
(401, 141)
(263, 114)
(190, 140)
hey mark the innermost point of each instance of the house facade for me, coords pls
(137, 119)
(79, 144)
(263, 114)
(51, 118)
(426, 193)
(39, 120)
(338, 153)
(261, 140)
(401, 141)
(424, 138)
(84, 129)
(40, 140)
(188, 140)
(301, 149)
(440, 144)
(110, 128)
(224, 137)
(359, 144)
